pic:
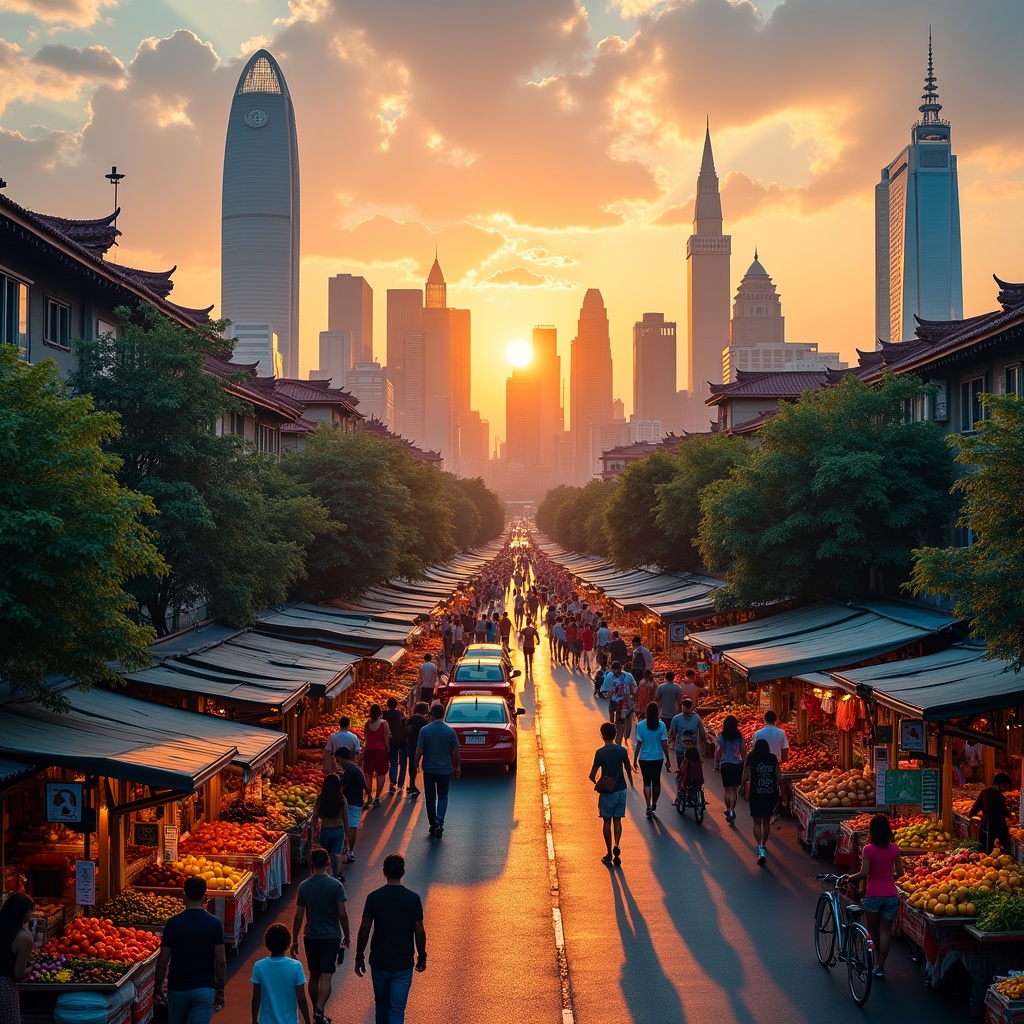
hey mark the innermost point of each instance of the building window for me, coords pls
(14, 313)
(236, 424)
(1012, 381)
(268, 439)
(57, 323)
(971, 409)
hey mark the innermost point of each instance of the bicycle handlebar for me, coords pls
(830, 877)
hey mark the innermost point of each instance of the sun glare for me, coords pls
(519, 352)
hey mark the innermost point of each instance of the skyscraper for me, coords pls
(708, 286)
(437, 365)
(350, 308)
(757, 309)
(405, 315)
(461, 328)
(590, 384)
(917, 227)
(260, 207)
(546, 364)
(654, 370)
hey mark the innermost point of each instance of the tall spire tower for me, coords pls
(708, 254)
(260, 207)
(918, 271)
(437, 367)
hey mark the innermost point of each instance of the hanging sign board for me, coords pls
(170, 843)
(146, 833)
(930, 791)
(85, 883)
(676, 632)
(64, 801)
(881, 760)
(902, 786)
(912, 736)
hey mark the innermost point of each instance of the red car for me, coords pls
(487, 728)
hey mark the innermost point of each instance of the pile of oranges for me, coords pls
(950, 888)
(100, 938)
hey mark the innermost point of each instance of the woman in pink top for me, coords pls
(880, 865)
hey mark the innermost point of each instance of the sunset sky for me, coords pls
(544, 146)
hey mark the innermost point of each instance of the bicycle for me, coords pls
(839, 935)
(691, 795)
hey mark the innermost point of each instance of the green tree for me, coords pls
(352, 475)
(699, 462)
(549, 506)
(986, 580)
(70, 537)
(630, 517)
(466, 522)
(430, 526)
(840, 485)
(579, 522)
(224, 542)
(489, 507)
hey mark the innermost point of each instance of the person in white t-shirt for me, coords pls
(778, 741)
(426, 680)
(344, 737)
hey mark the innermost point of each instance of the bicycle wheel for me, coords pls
(699, 803)
(860, 963)
(680, 803)
(825, 931)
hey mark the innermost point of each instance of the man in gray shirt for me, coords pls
(668, 695)
(687, 721)
(438, 749)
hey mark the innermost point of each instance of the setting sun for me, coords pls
(519, 352)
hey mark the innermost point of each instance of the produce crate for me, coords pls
(819, 826)
(1001, 1010)
(271, 870)
(145, 991)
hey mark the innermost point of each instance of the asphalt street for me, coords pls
(688, 929)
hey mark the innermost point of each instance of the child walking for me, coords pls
(278, 982)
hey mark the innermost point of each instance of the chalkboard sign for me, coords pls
(902, 786)
(930, 791)
(145, 833)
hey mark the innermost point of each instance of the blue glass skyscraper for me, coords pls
(917, 227)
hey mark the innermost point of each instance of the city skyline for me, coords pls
(586, 182)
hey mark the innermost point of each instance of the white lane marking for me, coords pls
(568, 1016)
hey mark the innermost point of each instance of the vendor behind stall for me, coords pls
(991, 804)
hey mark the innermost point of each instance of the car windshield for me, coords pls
(476, 713)
(479, 674)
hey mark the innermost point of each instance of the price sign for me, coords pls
(930, 791)
(881, 767)
(85, 883)
(170, 842)
(146, 833)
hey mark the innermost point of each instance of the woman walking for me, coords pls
(650, 752)
(376, 757)
(15, 947)
(730, 749)
(331, 808)
(764, 776)
(613, 761)
(881, 864)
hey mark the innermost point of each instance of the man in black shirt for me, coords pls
(413, 724)
(991, 804)
(353, 785)
(395, 916)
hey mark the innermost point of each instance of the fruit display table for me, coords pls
(942, 943)
(819, 826)
(272, 871)
(849, 844)
(233, 907)
(1001, 1009)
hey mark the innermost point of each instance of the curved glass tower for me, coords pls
(260, 207)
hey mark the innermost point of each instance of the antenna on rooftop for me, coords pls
(115, 178)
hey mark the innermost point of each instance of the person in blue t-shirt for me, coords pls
(437, 747)
(278, 982)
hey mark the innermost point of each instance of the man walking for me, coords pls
(437, 748)
(426, 680)
(321, 900)
(344, 737)
(778, 741)
(192, 960)
(669, 696)
(505, 629)
(353, 785)
(394, 916)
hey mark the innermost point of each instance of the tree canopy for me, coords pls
(839, 485)
(986, 580)
(71, 536)
(222, 539)
(633, 534)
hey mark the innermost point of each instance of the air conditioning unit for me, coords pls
(940, 400)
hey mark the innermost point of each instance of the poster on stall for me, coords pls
(85, 883)
(912, 733)
(930, 791)
(677, 632)
(903, 786)
(170, 843)
(881, 761)
(64, 802)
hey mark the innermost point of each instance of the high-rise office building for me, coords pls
(654, 370)
(461, 328)
(260, 207)
(437, 365)
(522, 427)
(917, 227)
(546, 365)
(350, 308)
(590, 384)
(708, 287)
(336, 358)
(405, 315)
(370, 384)
(257, 343)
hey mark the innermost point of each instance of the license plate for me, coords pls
(476, 739)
